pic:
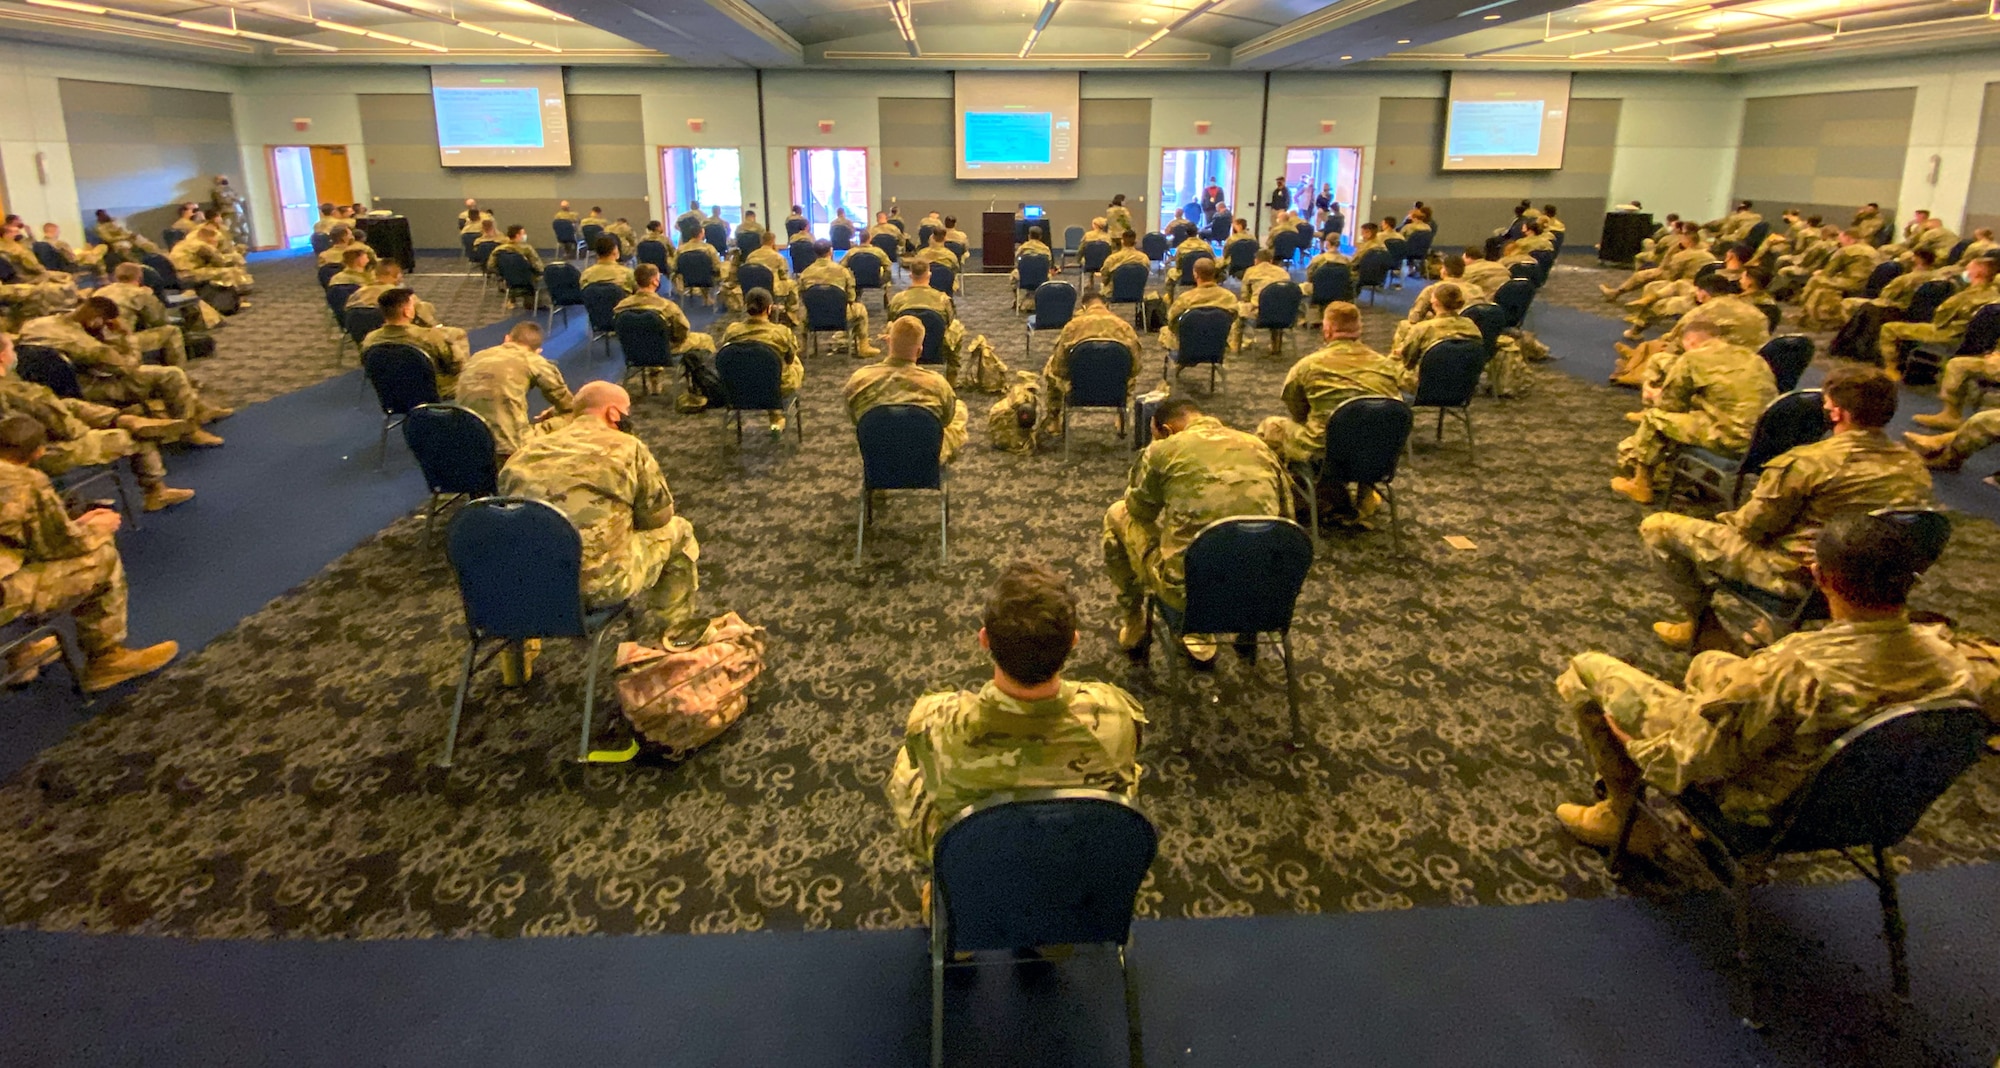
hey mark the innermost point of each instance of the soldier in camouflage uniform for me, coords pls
(1184, 250)
(1414, 339)
(342, 238)
(1728, 315)
(399, 327)
(823, 271)
(607, 268)
(1452, 270)
(1671, 299)
(1685, 257)
(82, 434)
(690, 222)
(1710, 399)
(116, 238)
(786, 293)
(354, 269)
(757, 326)
(143, 316)
(229, 211)
(1239, 235)
(564, 214)
(1949, 451)
(1342, 369)
(1948, 325)
(1013, 422)
(1900, 290)
(1263, 271)
(1767, 543)
(956, 347)
(936, 253)
(50, 564)
(1981, 244)
(1024, 300)
(517, 242)
(1207, 293)
(898, 380)
(1118, 217)
(1796, 269)
(1329, 255)
(36, 290)
(681, 335)
(1733, 227)
(1846, 272)
(1964, 379)
(1195, 472)
(1751, 730)
(628, 241)
(1094, 321)
(495, 382)
(1934, 236)
(1126, 252)
(1664, 240)
(88, 257)
(1370, 239)
(694, 248)
(1028, 728)
(109, 369)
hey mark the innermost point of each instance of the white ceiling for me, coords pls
(1674, 35)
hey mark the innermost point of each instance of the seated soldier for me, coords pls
(93, 256)
(1412, 340)
(1195, 472)
(52, 564)
(785, 297)
(898, 380)
(1710, 399)
(472, 221)
(1192, 246)
(1750, 730)
(35, 290)
(1948, 325)
(1207, 293)
(343, 238)
(399, 327)
(690, 222)
(757, 326)
(1981, 244)
(684, 341)
(1028, 728)
(1330, 254)
(1371, 240)
(354, 268)
(1535, 237)
(1960, 387)
(82, 434)
(1097, 232)
(1670, 299)
(185, 220)
(1263, 271)
(958, 345)
(1033, 246)
(1767, 543)
(329, 217)
(609, 485)
(564, 214)
(1181, 228)
(1483, 273)
(607, 268)
(628, 242)
(1452, 270)
(823, 271)
(1730, 315)
(1342, 369)
(1933, 236)
(1949, 451)
(110, 371)
(1897, 294)
(517, 242)
(1685, 258)
(938, 252)
(1846, 272)
(953, 233)
(694, 248)
(750, 225)
(1126, 252)
(495, 382)
(143, 316)
(1239, 233)
(1094, 321)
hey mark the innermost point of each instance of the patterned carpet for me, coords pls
(277, 783)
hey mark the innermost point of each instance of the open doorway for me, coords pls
(302, 178)
(712, 176)
(1311, 172)
(825, 180)
(1186, 173)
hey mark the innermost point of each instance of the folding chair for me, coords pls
(1781, 615)
(1365, 439)
(870, 273)
(403, 377)
(1032, 272)
(943, 279)
(454, 448)
(1278, 305)
(826, 310)
(1100, 376)
(1447, 377)
(25, 630)
(568, 245)
(1491, 319)
(1128, 286)
(1371, 271)
(1330, 282)
(49, 368)
(696, 272)
(900, 449)
(642, 337)
(932, 353)
(522, 285)
(751, 372)
(1790, 420)
(1055, 306)
(600, 301)
(655, 253)
(1789, 355)
(1515, 297)
(564, 285)
(1203, 336)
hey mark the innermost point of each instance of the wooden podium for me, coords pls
(996, 245)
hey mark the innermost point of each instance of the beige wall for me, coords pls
(1823, 153)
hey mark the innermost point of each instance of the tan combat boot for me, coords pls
(24, 665)
(159, 497)
(145, 429)
(1945, 420)
(1638, 487)
(1675, 635)
(111, 668)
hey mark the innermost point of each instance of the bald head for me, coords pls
(906, 339)
(605, 400)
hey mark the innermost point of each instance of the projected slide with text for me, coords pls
(509, 117)
(1008, 137)
(1495, 128)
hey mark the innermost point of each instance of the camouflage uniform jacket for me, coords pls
(1420, 308)
(35, 527)
(1682, 266)
(698, 247)
(1192, 244)
(921, 297)
(1800, 489)
(1240, 237)
(960, 748)
(18, 396)
(781, 268)
(22, 254)
(770, 333)
(608, 272)
(1736, 320)
(333, 254)
(670, 313)
(1956, 313)
(1729, 384)
(139, 308)
(1117, 219)
(687, 220)
(825, 272)
(521, 247)
(349, 277)
(566, 216)
(889, 382)
(117, 237)
(939, 254)
(110, 357)
(1205, 472)
(1536, 243)
(495, 384)
(1423, 335)
(1902, 289)
(1032, 247)
(1325, 259)
(627, 240)
(608, 484)
(1095, 323)
(1119, 258)
(422, 312)
(1342, 370)
(870, 252)
(1209, 296)
(1260, 275)
(1975, 250)
(426, 338)
(1939, 241)
(1488, 275)
(1848, 268)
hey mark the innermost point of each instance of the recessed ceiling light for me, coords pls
(1490, 18)
(1405, 40)
(1149, 22)
(1347, 57)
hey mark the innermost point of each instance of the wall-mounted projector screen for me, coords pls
(1506, 122)
(500, 116)
(1016, 125)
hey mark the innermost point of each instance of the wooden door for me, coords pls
(330, 175)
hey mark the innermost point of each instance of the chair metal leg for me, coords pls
(944, 520)
(382, 446)
(1892, 923)
(1471, 447)
(937, 979)
(1135, 1039)
(458, 706)
(1291, 686)
(1388, 493)
(861, 525)
(590, 692)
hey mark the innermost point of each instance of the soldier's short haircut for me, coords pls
(653, 226)
(527, 333)
(605, 245)
(354, 255)
(1034, 233)
(129, 273)
(950, 222)
(1758, 275)
(645, 274)
(1814, 220)
(1449, 296)
(1744, 253)
(822, 249)
(339, 232)
(1549, 210)
(1204, 270)
(394, 301)
(1853, 233)
(1030, 622)
(1173, 408)
(326, 209)
(516, 230)
(757, 301)
(1454, 264)
(1343, 318)
(1923, 255)
(1714, 283)
(1866, 394)
(20, 436)
(105, 307)
(1369, 226)
(1870, 560)
(1095, 299)
(1264, 256)
(920, 268)
(596, 210)
(906, 337)
(1130, 239)
(1986, 262)
(388, 269)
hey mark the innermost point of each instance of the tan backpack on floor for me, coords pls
(680, 698)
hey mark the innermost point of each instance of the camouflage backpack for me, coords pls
(1011, 422)
(982, 369)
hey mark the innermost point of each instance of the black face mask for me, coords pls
(624, 422)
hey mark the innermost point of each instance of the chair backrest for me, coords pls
(46, 366)
(9, 274)
(1982, 333)
(169, 237)
(1033, 271)
(599, 300)
(642, 336)
(155, 283)
(1365, 438)
(751, 276)
(362, 321)
(1924, 303)
(1055, 305)
(565, 234)
(1929, 528)
(519, 564)
(564, 283)
(867, 271)
(514, 269)
(1399, 249)
(324, 272)
(1793, 419)
(888, 244)
(1448, 373)
(1186, 260)
(1372, 269)
(750, 373)
(465, 242)
(1757, 234)
(1788, 355)
(826, 307)
(165, 269)
(1418, 245)
(802, 254)
(717, 235)
(1490, 318)
(1204, 335)
(337, 298)
(1244, 575)
(1072, 237)
(1041, 867)
(455, 448)
(1241, 256)
(49, 258)
(942, 277)
(1100, 372)
(403, 376)
(1957, 250)
(1154, 245)
(1879, 778)
(934, 327)
(1128, 284)
(591, 232)
(1285, 245)
(841, 236)
(1278, 304)
(1524, 271)
(482, 251)
(795, 226)
(1331, 282)
(320, 243)
(1884, 273)
(696, 272)
(653, 252)
(1514, 297)
(957, 249)
(1544, 258)
(1773, 315)
(748, 241)
(1707, 269)
(924, 233)
(900, 445)
(1218, 226)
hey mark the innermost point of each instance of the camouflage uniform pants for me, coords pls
(1289, 439)
(163, 388)
(1650, 448)
(1894, 334)
(857, 328)
(1598, 683)
(1132, 559)
(1819, 306)
(229, 277)
(91, 588)
(98, 447)
(1690, 553)
(660, 574)
(32, 300)
(167, 341)
(1976, 433)
(1642, 278)
(955, 434)
(1963, 380)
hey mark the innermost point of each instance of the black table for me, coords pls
(389, 236)
(1624, 233)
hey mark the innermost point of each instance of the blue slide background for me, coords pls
(1008, 136)
(1495, 128)
(489, 118)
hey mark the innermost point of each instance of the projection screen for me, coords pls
(500, 116)
(1016, 126)
(1506, 122)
